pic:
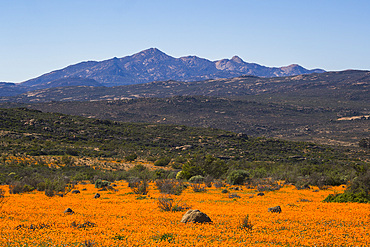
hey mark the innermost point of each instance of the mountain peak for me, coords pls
(237, 59)
(152, 51)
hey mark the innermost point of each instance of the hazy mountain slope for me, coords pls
(349, 84)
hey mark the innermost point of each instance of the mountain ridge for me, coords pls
(152, 65)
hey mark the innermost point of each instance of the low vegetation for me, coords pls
(122, 218)
(52, 152)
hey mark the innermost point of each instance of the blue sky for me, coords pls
(39, 36)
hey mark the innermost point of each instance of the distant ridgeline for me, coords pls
(148, 66)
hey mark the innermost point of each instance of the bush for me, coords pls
(204, 165)
(246, 223)
(218, 184)
(197, 187)
(237, 177)
(196, 179)
(100, 183)
(2, 198)
(166, 203)
(18, 187)
(361, 183)
(267, 185)
(170, 186)
(162, 161)
(139, 186)
(41, 186)
(180, 175)
(160, 173)
(360, 197)
(131, 157)
(208, 181)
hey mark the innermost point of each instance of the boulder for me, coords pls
(261, 194)
(276, 209)
(195, 216)
(68, 211)
(97, 195)
(75, 191)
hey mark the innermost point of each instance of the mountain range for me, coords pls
(148, 66)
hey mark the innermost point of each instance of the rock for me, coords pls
(276, 209)
(233, 195)
(68, 211)
(75, 191)
(261, 194)
(195, 216)
(97, 195)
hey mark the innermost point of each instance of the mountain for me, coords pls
(154, 65)
(347, 85)
(10, 89)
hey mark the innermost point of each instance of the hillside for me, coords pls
(344, 85)
(303, 108)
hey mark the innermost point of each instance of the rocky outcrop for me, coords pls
(195, 216)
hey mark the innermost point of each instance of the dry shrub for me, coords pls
(139, 186)
(167, 203)
(246, 224)
(208, 181)
(219, 184)
(88, 243)
(197, 187)
(2, 198)
(18, 187)
(263, 184)
(170, 186)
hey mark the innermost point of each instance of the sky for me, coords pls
(40, 36)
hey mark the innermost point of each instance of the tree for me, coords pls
(204, 165)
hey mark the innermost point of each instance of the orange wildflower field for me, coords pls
(121, 218)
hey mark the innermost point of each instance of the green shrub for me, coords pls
(360, 197)
(101, 183)
(196, 179)
(180, 175)
(131, 157)
(237, 177)
(162, 161)
(41, 186)
(18, 187)
(204, 165)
